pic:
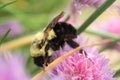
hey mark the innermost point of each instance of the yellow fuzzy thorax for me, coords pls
(35, 51)
(51, 35)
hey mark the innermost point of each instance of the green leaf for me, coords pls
(5, 36)
(6, 4)
(94, 16)
(117, 74)
(67, 18)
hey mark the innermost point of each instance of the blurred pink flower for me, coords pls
(111, 25)
(12, 69)
(16, 28)
(78, 5)
(80, 67)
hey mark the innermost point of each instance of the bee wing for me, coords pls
(50, 26)
(53, 22)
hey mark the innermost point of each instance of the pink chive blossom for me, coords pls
(80, 67)
(12, 68)
(16, 28)
(112, 25)
(78, 5)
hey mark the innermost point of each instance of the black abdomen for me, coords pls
(65, 31)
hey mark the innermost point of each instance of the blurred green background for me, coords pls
(32, 13)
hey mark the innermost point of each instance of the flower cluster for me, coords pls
(81, 67)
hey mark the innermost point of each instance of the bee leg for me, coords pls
(43, 67)
(74, 44)
(46, 61)
(46, 57)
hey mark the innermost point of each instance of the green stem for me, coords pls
(6, 4)
(5, 36)
(94, 16)
(67, 18)
(103, 34)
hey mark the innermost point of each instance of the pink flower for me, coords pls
(12, 69)
(77, 5)
(80, 67)
(112, 25)
(16, 29)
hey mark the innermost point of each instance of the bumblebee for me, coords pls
(51, 39)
